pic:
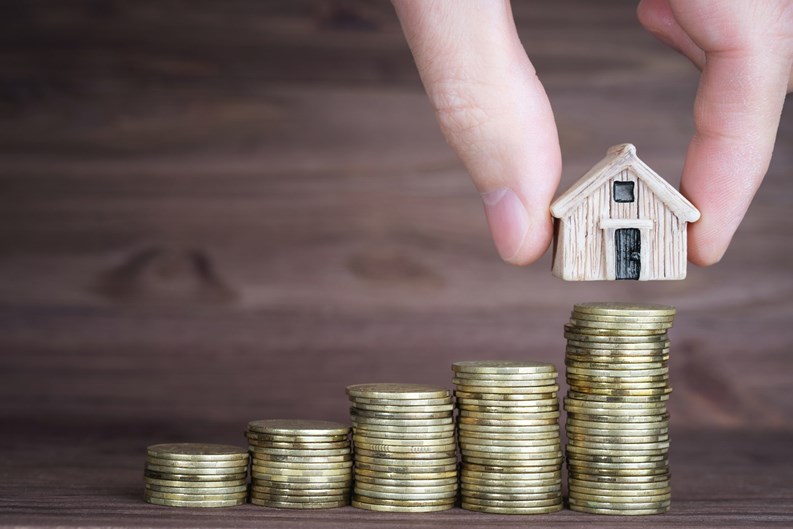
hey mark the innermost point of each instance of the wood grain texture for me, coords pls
(212, 214)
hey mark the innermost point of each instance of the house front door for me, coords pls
(628, 245)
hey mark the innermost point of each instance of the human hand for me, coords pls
(494, 112)
(745, 52)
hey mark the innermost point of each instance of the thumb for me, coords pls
(493, 112)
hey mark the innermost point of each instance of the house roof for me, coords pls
(618, 158)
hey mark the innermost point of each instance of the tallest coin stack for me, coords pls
(617, 423)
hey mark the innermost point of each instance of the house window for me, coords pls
(623, 192)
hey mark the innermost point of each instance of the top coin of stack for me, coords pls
(300, 464)
(509, 436)
(617, 422)
(196, 475)
(405, 452)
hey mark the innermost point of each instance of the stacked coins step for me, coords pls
(405, 449)
(196, 475)
(300, 464)
(508, 423)
(617, 422)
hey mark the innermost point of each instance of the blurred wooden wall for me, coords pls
(218, 211)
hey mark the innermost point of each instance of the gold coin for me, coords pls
(615, 373)
(658, 445)
(194, 464)
(189, 471)
(402, 503)
(299, 505)
(618, 472)
(149, 481)
(635, 512)
(617, 488)
(415, 456)
(391, 482)
(148, 493)
(508, 404)
(543, 379)
(508, 439)
(196, 490)
(195, 504)
(550, 461)
(587, 403)
(298, 446)
(402, 403)
(394, 442)
(276, 497)
(441, 460)
(499, 419)
(507, 432)
(400, 508)
(404, 409)
(595, 440)
(259, 456)
(585, 464)
(307, 439)
(619, 451)
(617, 506)
(460, 394)
(547, 502)
(363, 415)
(589, 397)
(433, 469)
(490, 497)
(624, 392)
(507, 484)
(358, 420)
(621, 495)
(521, 458)
(424, 432)
(512, 470)
(404, 496)
(618, 480)
(396, 449)
(578, 332)
(539, 449)
(436, 425)
(472, 490)
(298, 427)
(502, 479)
(645, 419)
(576, 337)
(511, 510)
(397, 391)
(651, 327)
(612, 412)
(266, 451)
(590, 383)
(487, 391)
(260, 490)
(621, 319)
(503, 367)
(517, 385)
(597, 363)
(542, 443)
(484, 425)
(260, 470)
(368, 475)
(284, 478)
(619, 308)
(327, 462)
(508, 410)
(197, 452)
(636, 428)
(308, 486)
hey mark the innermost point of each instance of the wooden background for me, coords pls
(212, 212)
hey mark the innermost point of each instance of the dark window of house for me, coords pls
(623, 192)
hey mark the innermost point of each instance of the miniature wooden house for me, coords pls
(621, 220)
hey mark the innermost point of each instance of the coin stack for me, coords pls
(405, 451)
(196, 475)
(508, 425)
(300, 464)
(617, 423)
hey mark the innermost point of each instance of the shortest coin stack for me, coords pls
(196, 475)
(405, 452)
(300, 464)
(509, 436)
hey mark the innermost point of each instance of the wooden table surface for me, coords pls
(219, 212)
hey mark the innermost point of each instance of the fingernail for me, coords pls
(507, 219)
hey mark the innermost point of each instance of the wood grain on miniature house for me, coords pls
(598, 235)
